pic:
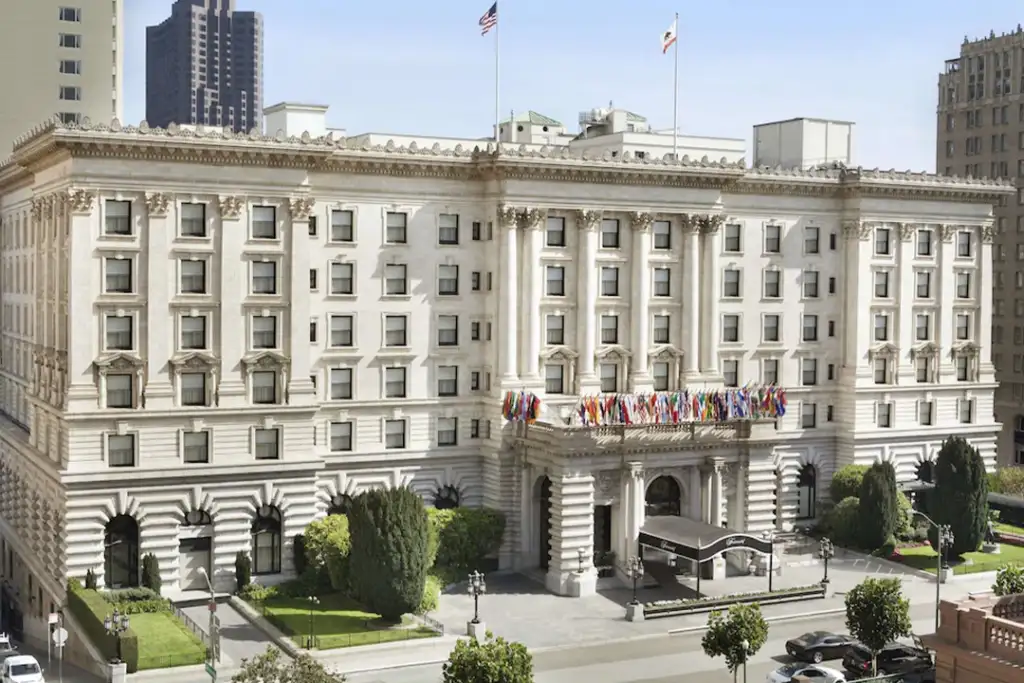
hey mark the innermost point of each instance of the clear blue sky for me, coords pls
(422, 67)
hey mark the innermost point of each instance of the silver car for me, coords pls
(806, 673)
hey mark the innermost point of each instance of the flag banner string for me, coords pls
(520, 406)
(682, 407)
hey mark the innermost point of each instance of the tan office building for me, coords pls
(980, 640)
(59, 57)
(981, 133)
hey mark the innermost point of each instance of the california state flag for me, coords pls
(669, 36)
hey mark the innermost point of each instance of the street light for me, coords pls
(313, 602)
(770, 537)
(580, 554)
(943, 541)
(745, 644)
(214, 623)
(477, 587)
(826, 551)
(115, 624)
(635, 571)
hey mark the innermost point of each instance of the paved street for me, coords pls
(672, 659)
(239, 639)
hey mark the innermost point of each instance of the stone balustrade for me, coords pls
(980, 639)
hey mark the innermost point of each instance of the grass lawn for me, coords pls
(1008, 528)
(923, 557)
(164, 641)
(337, 622)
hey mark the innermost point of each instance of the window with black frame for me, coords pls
(266, 541)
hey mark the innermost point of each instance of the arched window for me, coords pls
(663, 497)
(341, 504)
(266, 541)
(198, 518)
(447, 497)
(807, 491)
(121, 553)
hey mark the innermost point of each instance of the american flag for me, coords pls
(489, 20)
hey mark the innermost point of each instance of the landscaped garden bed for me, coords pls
(925, 558)
(672, 608)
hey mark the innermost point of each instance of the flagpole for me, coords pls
(675, 96)
(497, 82)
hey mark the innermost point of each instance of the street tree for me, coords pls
(736, 635)
(272, 667)
(961, 484)
(1009, 581)
(877, 614)
(494, 660)
(878, 512)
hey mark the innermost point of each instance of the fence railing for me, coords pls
(433, 624)
(191, 625)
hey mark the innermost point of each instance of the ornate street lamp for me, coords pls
(635, 571)
(745, 644)
(313, 602)
(580, 554)
(477, 587)
(826, 551)
(115, 624)
(943, 540)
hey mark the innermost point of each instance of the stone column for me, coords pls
(905, 324)
(986, 372)
(300, 388)
(509, 288)
(523, 486)
(82, 391)
(695, 494)
(159, 279)
(641, 380)
(587, 223)
(710, 367)
(533, 220)
(946, 323)
(633, 499)
(572, 527)
(691, 298)
(233, 286)
(717, 498)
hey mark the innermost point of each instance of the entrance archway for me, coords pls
(121, 553)
(544, 522)
(807, 492)
(195, 550)
(663, 498)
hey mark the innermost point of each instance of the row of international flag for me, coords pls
(490, 20)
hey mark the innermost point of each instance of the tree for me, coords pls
(1007, 480)
(272, 667)
(151, 572)
(846, 482)
(878, 511)
(877, 614)
(243, 570)
(493, 661)
(727, 632)
(327, 546)
(1009, 581)
(388, 558)
(961, 484)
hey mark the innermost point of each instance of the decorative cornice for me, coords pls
(301, 207)
(230, 207)
(588, 219)
(80, 201)
(532, 219)
(508, 217)
(857, 229)
(158, 203)
(641, 220)
(947, 231)
(907, 231)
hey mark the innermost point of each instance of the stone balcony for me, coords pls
(980, 640)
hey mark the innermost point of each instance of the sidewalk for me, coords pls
(407, 653)
(71, 673)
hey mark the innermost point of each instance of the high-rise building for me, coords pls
(60, 58)
(204, 65)
(981, 134)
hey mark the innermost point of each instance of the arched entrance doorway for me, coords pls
(544, 522)
(807, 492)
(195, 550)
(266, 541)
(341, 503)
(121, 553)
(663, 498)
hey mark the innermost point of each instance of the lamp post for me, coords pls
(745, 644)
(635, 571)
(826, 551)
(115, 624)
(580, 554)
(943, 541)
(477, 587)
(313, 602)
(770, 537)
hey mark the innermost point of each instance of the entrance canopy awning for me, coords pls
(695, 540)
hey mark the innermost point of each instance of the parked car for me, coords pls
(894, 658)
(806, 673)
(818, 646)
(21, 669)
(7, 648)
(921, 677)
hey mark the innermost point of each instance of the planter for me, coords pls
(605, 572)
(653, 610)
(946, 574)
(991, 548)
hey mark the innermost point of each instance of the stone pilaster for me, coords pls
(692, 304)
(572, 527)
(508, 288)
(160, 343)
(82, 388)
(587, 223)
(300, 387)
(233, 285)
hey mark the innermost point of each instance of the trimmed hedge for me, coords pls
(846, 482)
(431, 595)
(462, 538)
(136, 601)
(90, 609)
(666, 608)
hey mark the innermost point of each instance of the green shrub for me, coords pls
(243, 570)
(388, 559)
(431, 595)
(887, 548)
(961, 485)
(494, 659)
(90, 609)
(466, 536)
(846, 482)
(136, 601)
(130, 649)
(842, 522)
(325, 538)
(256, 594)
(1008, 481)
(90, 580)
(1009, 581)
(878, 511)
(299, 554)
(151, 572)
(904, 517)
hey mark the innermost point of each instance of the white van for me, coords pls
(21, 669)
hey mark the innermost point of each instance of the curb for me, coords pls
(771, 620)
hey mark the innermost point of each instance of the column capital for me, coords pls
(948, 230)
(157, 203)
(230, 207)
(641, 220)
(531, 219)
(988, 233)
(508, 217)
(907, 231)
(854, 228)
(710, 223)
(635, 470)
(588, 219)
(80, 201)
(301, 207)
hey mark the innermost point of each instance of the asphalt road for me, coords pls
(672, 659)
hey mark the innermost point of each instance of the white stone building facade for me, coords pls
(209, 340)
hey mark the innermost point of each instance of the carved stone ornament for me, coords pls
(193, 361)
(947, 232)
(158, 203)
(81, 201)
(508, 217)
(118, 362)
(532, 219)
(301, 207)
(907, 231)
(710, 223)
(636, 470)
(606, 484)
(37, 208)
(230, 207)
(641, 220)
(267, 360)
(855, 229)
(988, 233)
(588, 219)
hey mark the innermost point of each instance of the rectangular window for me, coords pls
(555, 232)
(193, 388)
(193, 332)
(394, 383)
(555, 281)
(770, 371)
(314, 280)
(925, 413)
(264, 387)
(71, 40)
(342, 331)
(395, 280)
(342, 228)
(730, 328)
(117, 219)
(555, 330)
(448, 330)
(809, 372)
(193, 277)
(965, 410)
(772, 284)
(963, 244)
(69, 93)
(773, 239)
(731, 283)
(881, 284)
(661, 329)
(881, 327)
(119, 335)
(341, 384)
(447, 431)
(923, 284)
(609, 329)
(268, 443)
(810, 328)
(963, 326)
(121, 450)
(609, 281)
(70, 67)
(659, 373)
(554, 378)
(963, 285)
(119, 391)
(448, 281)
(264, 332)
(733, 242)
(924, 242)
(193, 220)
(341, 437)
(195, 447)
(609, 373)
(731, 372)
(394, 433)
(72, 14)
(395, 331)
(812, 240)
(810, 284)
(448, 229)
(922, 327)
(264, 223)
(963, 368)
(922, 370)
(395, 230)
(342, 278)
(447, 380)
(771, 328)
(883, 240)
(883, 413)
(610, 233)
(662, 282)
(808, 415)
(881, 370)
(117, 275)
(264, 277)
(662, 233)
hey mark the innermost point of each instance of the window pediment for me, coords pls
(193, 361)
(967, 348)
(884, 350)
(265, 360)
(926, 349)
(118, 362)
(665, 352)
(561, 354)
(614, 352)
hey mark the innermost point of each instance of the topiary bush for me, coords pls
(462, 538)
(961, 485)
(243, 570)
(842, 522)
(299, 554)
(878, 510)
(323, 538)
(151, 573)
(388, 558)
(904, 517)
(846, 482)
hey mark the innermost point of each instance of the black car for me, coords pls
(894, 658)
(819, 646)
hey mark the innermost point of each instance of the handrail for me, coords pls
(191, 625)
